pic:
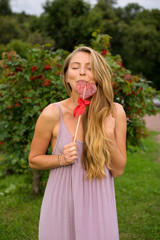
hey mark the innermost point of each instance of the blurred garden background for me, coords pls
(32, 51)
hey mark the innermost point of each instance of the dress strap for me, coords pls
(59, 110)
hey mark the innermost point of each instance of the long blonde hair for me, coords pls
(96, 147)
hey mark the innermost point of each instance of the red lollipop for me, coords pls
(90, 89)
(85, 90)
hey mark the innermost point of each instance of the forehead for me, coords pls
(80, 57)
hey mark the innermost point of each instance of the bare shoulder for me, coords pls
(49, 116)
(120, 120)
(118, 111)
(51, 111)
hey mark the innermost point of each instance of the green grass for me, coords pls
(137, 196)
(158, 110)
(19, 210)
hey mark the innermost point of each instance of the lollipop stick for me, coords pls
(79, 118)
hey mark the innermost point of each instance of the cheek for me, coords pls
(71, 75)
(69, 79)
(92, 78)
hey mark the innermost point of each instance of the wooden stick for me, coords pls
(79, 118)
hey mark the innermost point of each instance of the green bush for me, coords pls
(19, 46)
(28, 85)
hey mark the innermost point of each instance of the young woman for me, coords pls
(79, 200)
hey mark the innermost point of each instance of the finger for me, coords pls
(68, 155)
(70, 145)
(73, 149)
(71, 159)
(72, 154)
(70, 150)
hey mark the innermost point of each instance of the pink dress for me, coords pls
(74, 208)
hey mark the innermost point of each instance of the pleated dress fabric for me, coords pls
(74, 208)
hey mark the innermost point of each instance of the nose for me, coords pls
(82, 71)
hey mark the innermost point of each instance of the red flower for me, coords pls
(36, 77)
(1, 143)
(140, 89)
(6, 66)
(10, 74)
(18, 69)
(134, 92)
(104, 52)
(10, 106)
(47, 67)
(9, 57)
(34, 68)
(46, 82)
(58, 65)
(139, 111)
(17, 104)
(40, 76)
(138, 131)
(121, 64)
(116, 86)
(58, 74)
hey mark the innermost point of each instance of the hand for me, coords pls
(69, 153)
(109, 125)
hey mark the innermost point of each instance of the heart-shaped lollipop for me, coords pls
(90, 89)
(85, 90)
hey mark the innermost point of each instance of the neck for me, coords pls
(74, 98)
(74, 101)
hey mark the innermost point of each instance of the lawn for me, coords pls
(137, 195)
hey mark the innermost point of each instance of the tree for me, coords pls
(66, 21)
(5, 8)
(129, 12)
(9, 29)
(109, 23)
(110, 2)
(141, 46)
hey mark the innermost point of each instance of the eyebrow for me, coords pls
(79, 63)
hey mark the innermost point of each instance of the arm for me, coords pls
(116, 131)
(44, 132)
